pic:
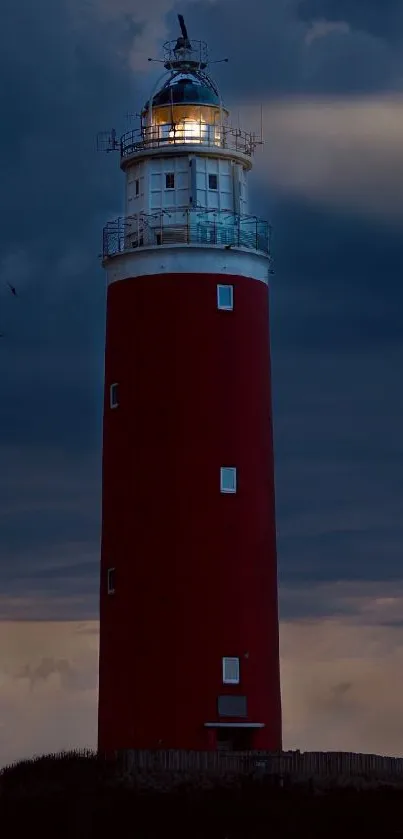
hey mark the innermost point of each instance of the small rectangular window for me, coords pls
(232, 706)
(225, 297)
(227, 479)
(111, 581)
(113, 395)
(137, 186)
(230, 671)
(213, 181)
(170, 180)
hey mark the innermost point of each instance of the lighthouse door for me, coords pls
(234, 739)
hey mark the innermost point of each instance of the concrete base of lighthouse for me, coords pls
(195, 575)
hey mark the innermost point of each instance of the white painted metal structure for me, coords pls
(186, 193)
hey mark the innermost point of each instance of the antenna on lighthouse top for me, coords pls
(184, 41)
(184, 54)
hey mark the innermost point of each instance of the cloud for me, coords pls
(48, 667)
(367, 603)
(284, 60)
(338, 461)
(341, 679)
(16, 268)
(48, 680)
(343, 153)
(341, 686)
(329, 171)
(142, 31)
(47, 602)
(383, 20)
(323, 28)
(50, 524)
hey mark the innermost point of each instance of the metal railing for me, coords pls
(201, 134)
(195, 53)
(186, 227)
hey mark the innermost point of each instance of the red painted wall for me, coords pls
(196, 575)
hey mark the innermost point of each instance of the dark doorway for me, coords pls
(235, 739)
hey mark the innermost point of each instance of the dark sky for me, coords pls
(330, 177)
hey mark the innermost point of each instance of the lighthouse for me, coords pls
(189, 641)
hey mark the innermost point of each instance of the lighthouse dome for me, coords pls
(186, 89)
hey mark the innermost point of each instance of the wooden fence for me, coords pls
(292, 763)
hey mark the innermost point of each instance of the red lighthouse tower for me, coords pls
(189, 654)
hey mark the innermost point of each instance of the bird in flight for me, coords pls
(14, 293)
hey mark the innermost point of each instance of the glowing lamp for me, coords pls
(185, 111)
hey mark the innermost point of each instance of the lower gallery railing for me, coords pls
(193, 227)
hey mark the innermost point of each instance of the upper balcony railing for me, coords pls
(186, 227)
(195, 53)
(195, 133)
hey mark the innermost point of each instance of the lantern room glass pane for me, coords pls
(184, 124)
